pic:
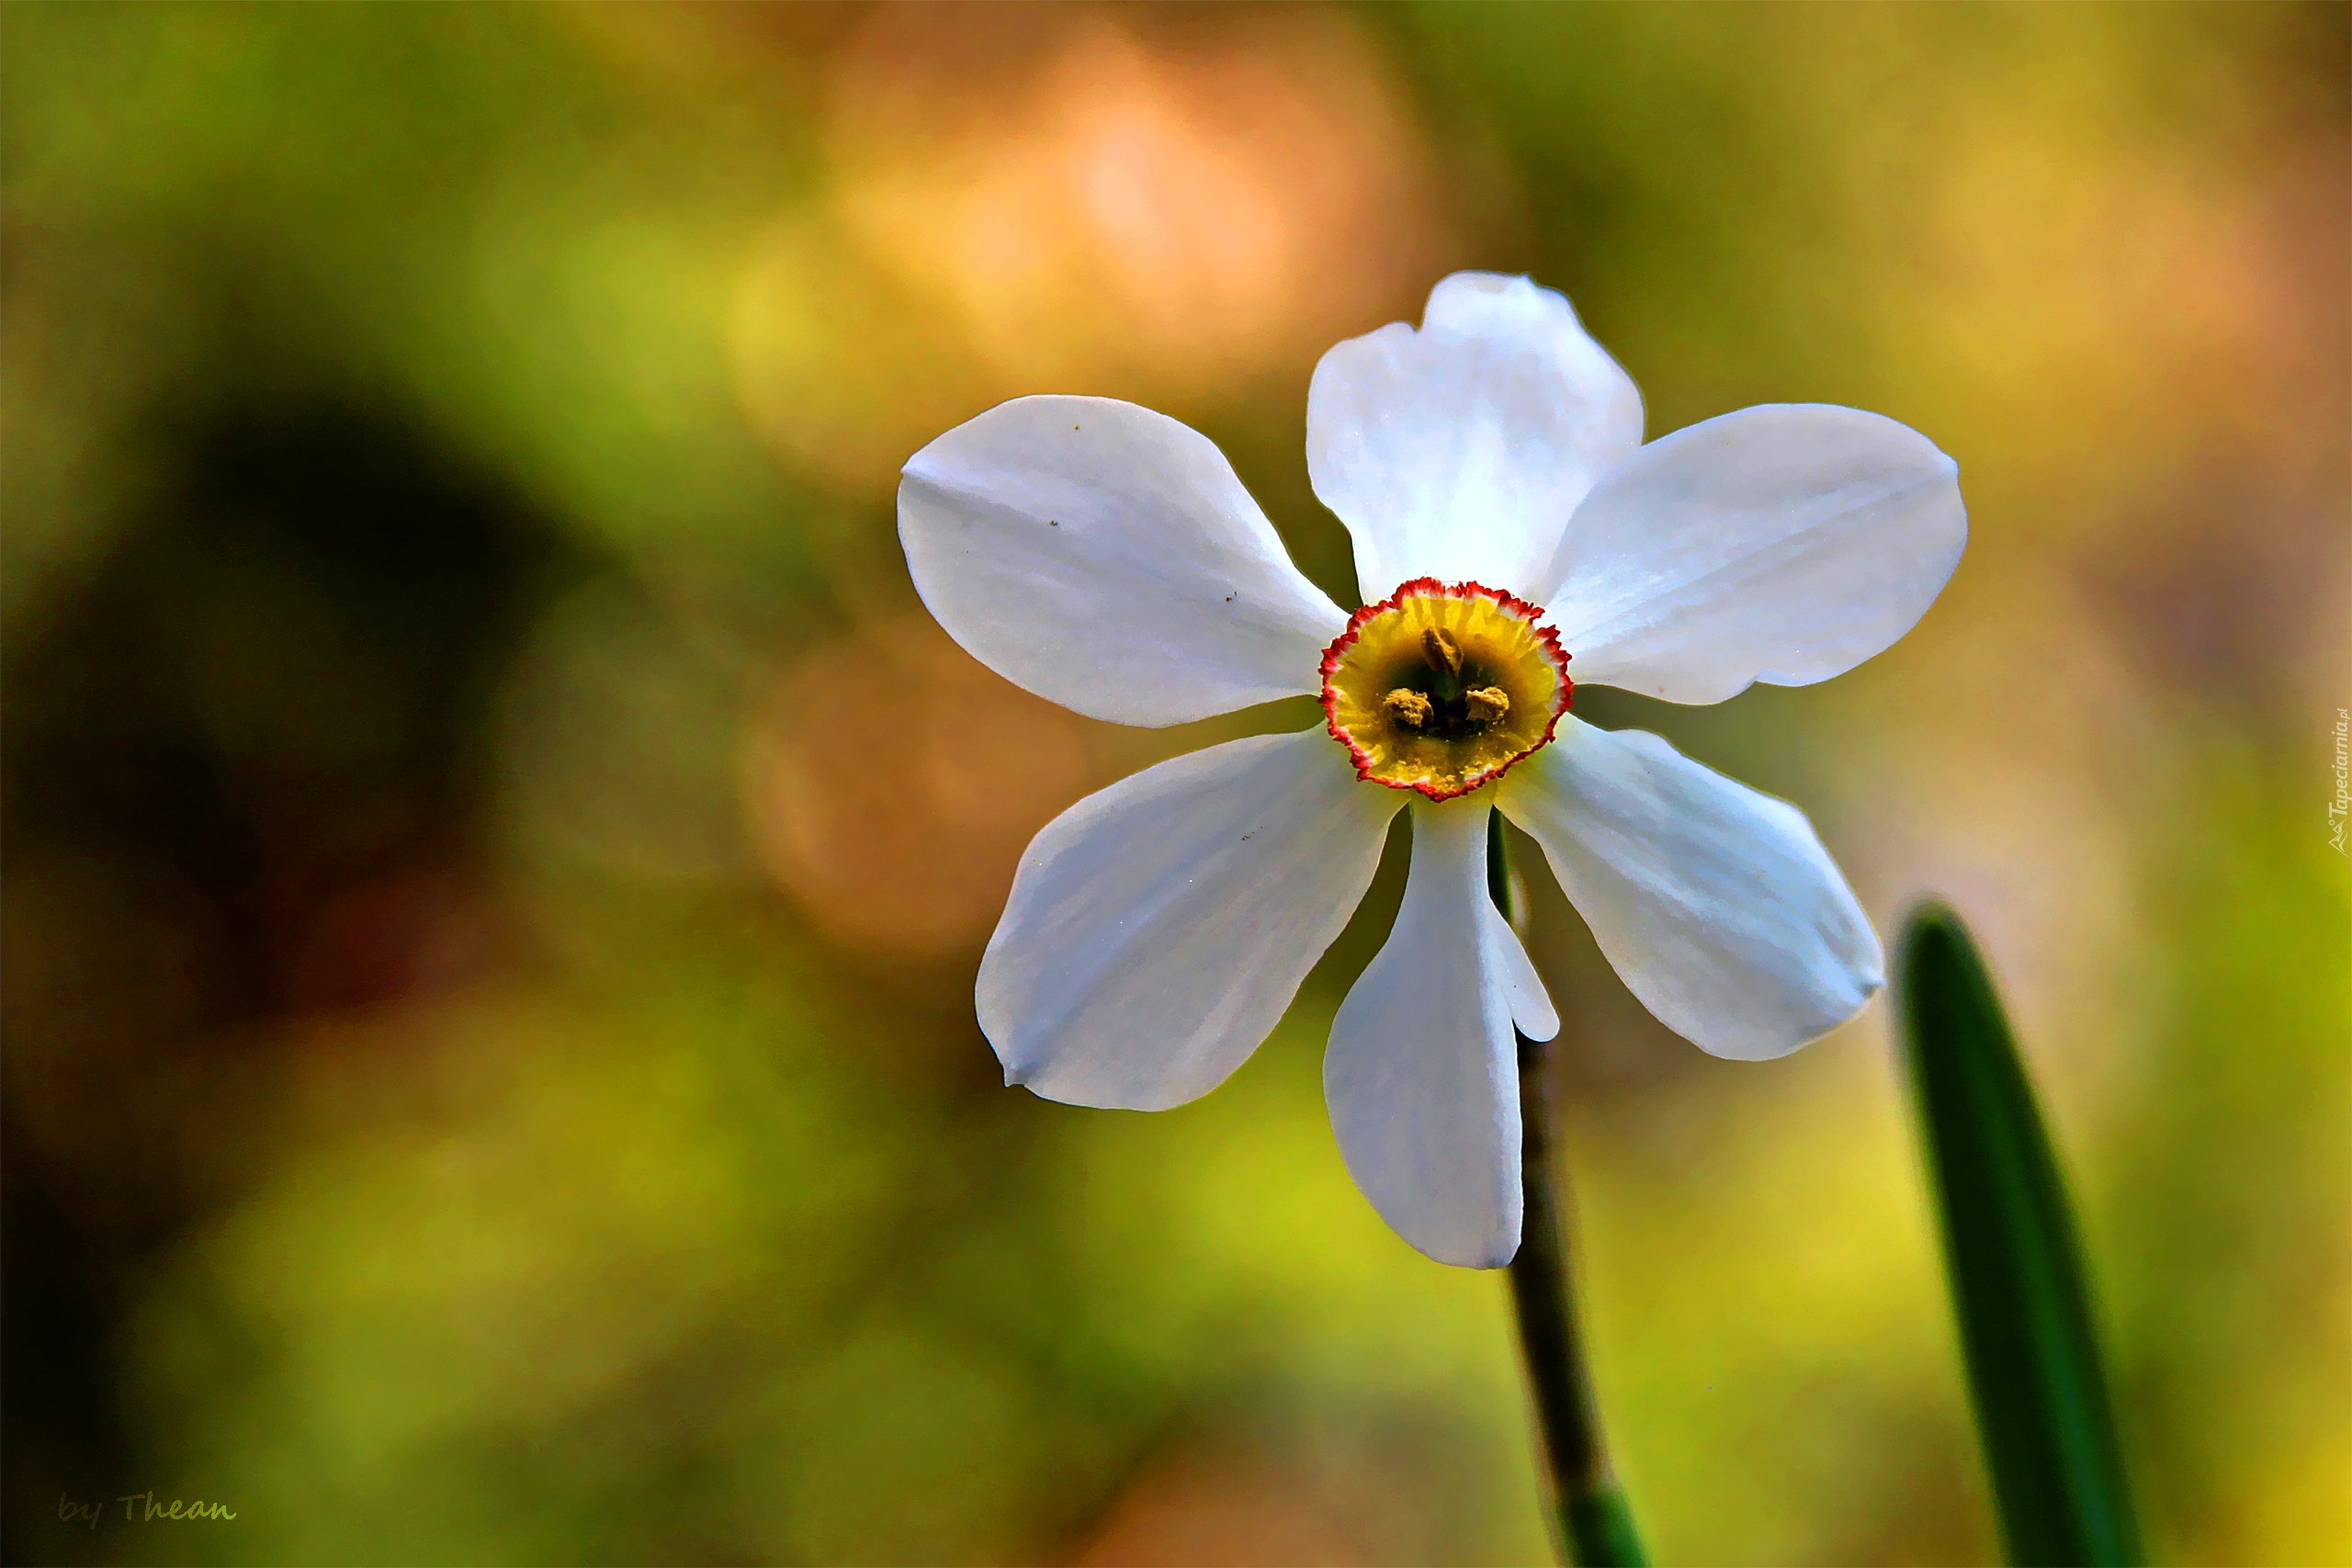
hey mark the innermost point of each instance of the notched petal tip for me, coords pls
(1759, 1050)
(1458, 450)
(1498, 1255)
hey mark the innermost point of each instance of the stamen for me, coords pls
(1442, 650)
(1440, 687)
(1408, 707)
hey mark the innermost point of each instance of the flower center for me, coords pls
(1440, 688)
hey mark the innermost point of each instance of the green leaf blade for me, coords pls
(2019, 1286)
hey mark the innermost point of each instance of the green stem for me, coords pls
(1595, 1523)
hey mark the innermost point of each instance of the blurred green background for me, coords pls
(491, 1073)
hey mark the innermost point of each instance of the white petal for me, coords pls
(1157, 929)
(1784, 544)
(1422, 1073)
(1106, 558)
(1716, 903)
(1530, 1004)
(1459, 451)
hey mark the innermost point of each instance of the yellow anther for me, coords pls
(1408, 707)
(1441, 688)
(1443, 652)
(1486, 703)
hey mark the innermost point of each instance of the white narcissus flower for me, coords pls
(1507, 518)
